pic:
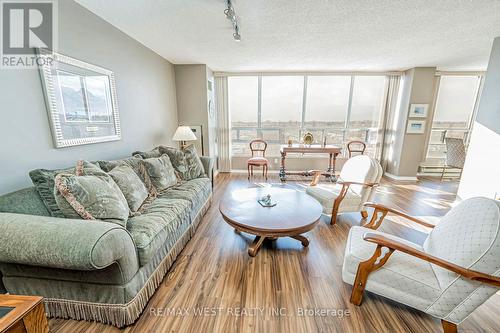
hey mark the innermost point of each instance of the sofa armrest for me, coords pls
(64, 243)
(208, 164)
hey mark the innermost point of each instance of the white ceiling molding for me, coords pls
(313, 35)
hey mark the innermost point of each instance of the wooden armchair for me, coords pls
(449, 276)
(355, 185)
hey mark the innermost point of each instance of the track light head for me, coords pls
(230, 14)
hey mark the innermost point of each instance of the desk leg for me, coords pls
(334, 178)
(331, 167)
(282, 168)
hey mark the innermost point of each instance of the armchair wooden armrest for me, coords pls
(392, 244)
(381, 211)
(386, 246)
(316, 176)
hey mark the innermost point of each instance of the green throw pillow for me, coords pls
(91, 197)
(186, 161)
(134, 163)
(130, 184)
(160, 171)
(155, 152)
(43, 180)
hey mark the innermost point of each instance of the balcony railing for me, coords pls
(276, 136)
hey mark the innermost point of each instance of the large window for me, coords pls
(327, 104)
(367, 102)
(281, 111)
(455, 104)
(279, 108)
(243, 103)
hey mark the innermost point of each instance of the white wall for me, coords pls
(481, 174)
(146, 100)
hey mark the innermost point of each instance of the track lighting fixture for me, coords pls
(231, 15)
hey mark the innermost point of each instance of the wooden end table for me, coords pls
(22, 314)
(294, 214)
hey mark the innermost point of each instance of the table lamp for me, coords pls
(183, 134)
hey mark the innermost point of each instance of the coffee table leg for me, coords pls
(302, 239)
(254, 248)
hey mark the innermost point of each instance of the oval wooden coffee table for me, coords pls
(294, 214)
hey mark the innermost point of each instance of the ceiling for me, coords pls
(312, 35)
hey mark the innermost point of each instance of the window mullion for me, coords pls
(304, 101)
(259, 106)
(349, 107)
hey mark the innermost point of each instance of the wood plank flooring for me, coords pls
(267, 293)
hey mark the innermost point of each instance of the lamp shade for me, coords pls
(184, 133)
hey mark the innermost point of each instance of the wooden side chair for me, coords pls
(455, 270)
(355, 185)
(258, 147)
(455, 155)
(356, 147)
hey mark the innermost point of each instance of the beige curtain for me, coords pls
(223, 125)
(389, 114)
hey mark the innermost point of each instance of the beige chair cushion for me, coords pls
(403, 278)
(327, 193)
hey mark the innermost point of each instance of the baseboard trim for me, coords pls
(400, 178)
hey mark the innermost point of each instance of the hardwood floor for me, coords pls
(215, 274)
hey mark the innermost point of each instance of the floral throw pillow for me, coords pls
(131, 185)
(43, 180)
(159, 172)
(185, 161)
(90, 194)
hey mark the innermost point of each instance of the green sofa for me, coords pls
(97, 271)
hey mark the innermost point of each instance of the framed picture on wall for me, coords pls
(198, 144)
(418, 110)
(81, 101)
(415, 127)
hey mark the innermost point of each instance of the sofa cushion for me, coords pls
(130, 184)
(156, 225)
(196, 191)
(91, 197)
(133, 162)
(185, 161)
(155, 152)
(160, 171)
(43, 179)
(412, 280)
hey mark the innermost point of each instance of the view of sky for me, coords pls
(327, 98)
(456, 98)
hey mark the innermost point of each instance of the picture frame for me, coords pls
(418, 110)
(415, 127)
(81, 100)
(198, 132)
